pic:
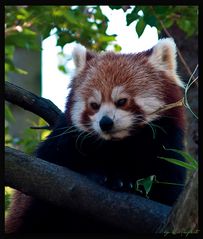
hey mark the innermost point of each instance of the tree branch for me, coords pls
(132, 213)
(33, 103)
(183, 209)
(127, 211)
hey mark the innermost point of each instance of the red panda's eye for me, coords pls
(94, 106)
(121, 102)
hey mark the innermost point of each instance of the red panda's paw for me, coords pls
(118, 184)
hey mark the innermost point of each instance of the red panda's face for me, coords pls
(113, 94)
(111, 116)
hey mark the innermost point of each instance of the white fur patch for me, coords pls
(149, 104)
(123, 121)
(105, 109)
(164, 55)
(118, 92)
(179, 82)
(164, 58)
(79, 57)
(96, 97)
(77, 110)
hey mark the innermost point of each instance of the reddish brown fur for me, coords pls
(103, 72)
(20, 203)
(133, 71)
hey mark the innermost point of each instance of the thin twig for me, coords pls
(169, 106)
(41, 127)
(186, 91)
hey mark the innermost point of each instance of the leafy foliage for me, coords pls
(185, 17)
(30, 138)
(26, 25)
(144, 185)
(8, 195)
(190, 162)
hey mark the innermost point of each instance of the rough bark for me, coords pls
(184, 216)
(133, 213)
(42, 179)
(188, 47)
(33, 103)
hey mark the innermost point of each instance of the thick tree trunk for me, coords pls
(184, 216)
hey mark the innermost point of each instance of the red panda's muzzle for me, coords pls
(106, 124)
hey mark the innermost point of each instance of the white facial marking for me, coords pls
(123, 120)
(79, 57)
(164, 55)
(77, 109)
(96, 97)
(105, 109)
(149, 104)
(179, 82)
(118, 92)
(164, 58)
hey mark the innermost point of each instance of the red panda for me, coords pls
(114, 132)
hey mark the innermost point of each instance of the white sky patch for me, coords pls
(54, 82)
(126, 35)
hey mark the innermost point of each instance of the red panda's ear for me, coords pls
(80, 56)
(163, 55)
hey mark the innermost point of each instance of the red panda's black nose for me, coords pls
(106, 123)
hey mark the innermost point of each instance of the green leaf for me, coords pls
(8, 197)
(186, 156)
(9, 66)
(163, 10)
(130, 18)
(71, 17)
(8, 114)
(115, 7)
(64, 38)
(168, 22)
(107, 38)
(150, 20)
(133, 16)
(178, 162)
(185, 25)
(62, 68)
(117, 48)
(25, 39)
(146, 183)
(140, 26)
(20, 71)
(9, 51)
(27, 142)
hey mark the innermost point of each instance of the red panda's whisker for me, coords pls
(91, 133)
(77, 140)
(67, 127)
(68, 131)
(83, 135)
